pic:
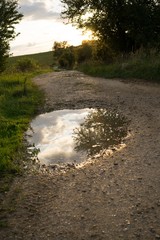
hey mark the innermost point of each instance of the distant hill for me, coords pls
(44, 59)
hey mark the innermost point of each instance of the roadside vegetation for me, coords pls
(92, 59)
(19, 101)
(140, 65)
(127, 37)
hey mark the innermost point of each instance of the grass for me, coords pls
(140, 65)
(19, 100)
(44, 59)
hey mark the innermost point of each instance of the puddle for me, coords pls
(71, 136)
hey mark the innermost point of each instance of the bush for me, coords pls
(67, 59)
(26, 65)
(102, 52)
(84, 52)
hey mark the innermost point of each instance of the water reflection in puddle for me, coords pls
(70, 136)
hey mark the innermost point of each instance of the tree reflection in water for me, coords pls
(101, 129)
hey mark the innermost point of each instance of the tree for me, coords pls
(58, 48)
(121, 24)
(67, 59)
(84, 51)
(64, 54)
(9, 16)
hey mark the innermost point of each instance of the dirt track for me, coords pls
(115, 198)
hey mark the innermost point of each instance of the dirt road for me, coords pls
(117, 197)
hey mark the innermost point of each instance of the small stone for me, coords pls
(70, 165)
(152, 230)
(157, 236)
(121, 236)
(53, 166)
(158, 203)
(115, 163)
(128, 222)
(125, 229)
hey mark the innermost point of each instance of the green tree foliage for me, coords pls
(58, 48)
(67, 59)
(9, 16)
(64, 54)
(121, 24)
(84, 52)
(102, 52)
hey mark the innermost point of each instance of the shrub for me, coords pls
(26, 65)
(67, 59)
(84, 52)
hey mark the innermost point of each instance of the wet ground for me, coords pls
(72, 136)
(117, 196)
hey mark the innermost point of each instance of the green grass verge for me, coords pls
(19, 100)
(139, 67)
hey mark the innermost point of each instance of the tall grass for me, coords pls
(141, 65)
(19, 99)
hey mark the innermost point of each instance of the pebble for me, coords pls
(152, 230)
(158, 203)
(128, 222)
(115, 163)
(125, 229)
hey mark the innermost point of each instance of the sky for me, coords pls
(41, 26)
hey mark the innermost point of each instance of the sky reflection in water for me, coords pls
(52, 134)
(68, 136)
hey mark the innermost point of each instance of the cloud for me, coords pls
(31, 44)
(38, 10)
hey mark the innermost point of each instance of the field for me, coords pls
(44, 59)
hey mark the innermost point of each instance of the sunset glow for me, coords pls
(41, 26)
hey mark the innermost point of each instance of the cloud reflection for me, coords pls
(68, 136)
(53, 135)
